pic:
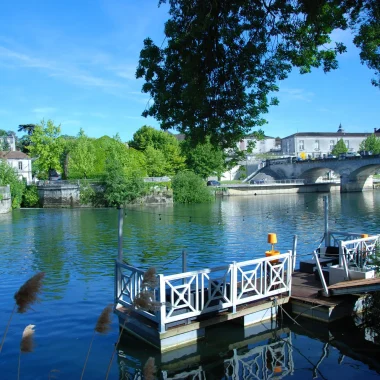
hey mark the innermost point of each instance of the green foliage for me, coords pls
(81, 157)
(47, 147)
(339, 148)
(204, 159)
(190, 188)
(30, 197)
(370, 144)
(222, 60)
(22, 144)
(121, 186)
(9, 176)
(155, 162)
(162, 151)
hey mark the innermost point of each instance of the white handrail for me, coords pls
(187, 295)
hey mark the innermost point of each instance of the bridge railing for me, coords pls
(185, 296)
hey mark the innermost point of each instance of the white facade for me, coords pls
(20, 162)
(319, 144)
(262, 146)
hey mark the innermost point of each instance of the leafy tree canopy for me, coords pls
(27, 128)
(339, 148)
(190, 188)
(47, 147)
(204, 159)
(81, 158)
(159, 145)
(9, 176)
(370, 144)
(222, 59)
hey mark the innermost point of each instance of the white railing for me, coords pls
(357, 252)
(334, 237)
(187, 295)
(271, 361)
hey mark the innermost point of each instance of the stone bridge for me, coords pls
(355, 172)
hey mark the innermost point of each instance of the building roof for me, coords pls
(14, 155)
(328, 134)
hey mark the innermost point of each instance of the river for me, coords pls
(76, 249)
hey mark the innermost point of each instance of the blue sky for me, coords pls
(74, 62)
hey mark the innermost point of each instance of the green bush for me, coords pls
(189, 188)
(9, 176)
(30, 197)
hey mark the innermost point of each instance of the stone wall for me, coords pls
(61, 194)
(58, 195)
(5, 199)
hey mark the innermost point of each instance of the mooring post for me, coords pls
(326, 208)
(120, 236)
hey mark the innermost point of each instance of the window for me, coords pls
(301, 145)
(346, 142)
(332, 144)
(316, 145)
(20, 165)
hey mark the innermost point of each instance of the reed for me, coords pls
(25, 297)
(150, 369)
(26, 344)
(102, 326)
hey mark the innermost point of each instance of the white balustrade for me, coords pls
(184, 296)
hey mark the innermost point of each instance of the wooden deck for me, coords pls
(355, 286)
(307, 299)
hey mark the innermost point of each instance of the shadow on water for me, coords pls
(270, 350)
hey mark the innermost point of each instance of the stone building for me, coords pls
(320, 144)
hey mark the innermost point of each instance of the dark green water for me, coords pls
(77, 248)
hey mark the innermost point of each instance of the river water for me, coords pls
(76, 249)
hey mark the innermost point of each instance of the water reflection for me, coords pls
(306, 349)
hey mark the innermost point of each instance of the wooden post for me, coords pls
(120, 235)
(326, 208)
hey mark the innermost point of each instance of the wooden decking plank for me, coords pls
(355, 283)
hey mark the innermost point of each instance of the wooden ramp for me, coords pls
(355, 287)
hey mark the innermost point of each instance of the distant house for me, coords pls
(320, 144)
(21, 162)
(268, 144)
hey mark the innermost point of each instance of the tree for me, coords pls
(370, 144)
(9, 176)
(155, 162)
(121, 187)
(190, 188)
(205, 159)
(160, 141)
(223, 59)
(339, 148)
(81, 157)
(47, 147)
(27, 128)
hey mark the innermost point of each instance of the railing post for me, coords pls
(162, 315)
(184, 265)
(294, 256)
(234, 286)
(325, 288)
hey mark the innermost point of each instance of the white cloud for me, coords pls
(65, 70)
(44, 110)
(296, 94)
